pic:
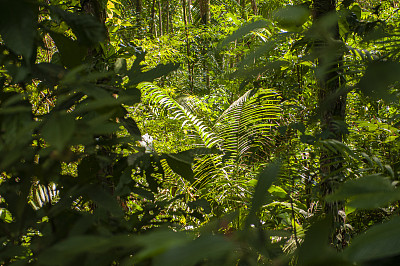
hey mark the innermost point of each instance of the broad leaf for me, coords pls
(378, 79)
(136, 76)
(242, 31)
(18, 20)
(379, 241)
(86, 28)
(292, 17)
(367, 192)
(315, 249)
(58, 130)
(195, 252)
(181, 166)
(72, 54)
(265, 179)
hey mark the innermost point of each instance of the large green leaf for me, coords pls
(265, 179)
(315, 249)
(367, 192)
(292, 17)
(195, 252)
(242, 31)
(18, 20)
(379, 241)
(181, 166)
(136, 76)
(87, 29)
(72, 54)
(58, 130)
(181, 162)
(131, 127)
(67, 250)
(378, 79)
(157, 242)
(88, 170)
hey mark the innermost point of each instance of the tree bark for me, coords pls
(254, 7)
(190, 20)
(153, 18)
(190, 67)
(160, 16)
(94, 8)
(204, 11)
(242, 3)
(166, 16)
(333, 106)
(138, 14)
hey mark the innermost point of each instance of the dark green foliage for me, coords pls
(243, 180)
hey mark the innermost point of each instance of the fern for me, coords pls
(242, 130)
(158, 96)
(245, 128)
(248, 123)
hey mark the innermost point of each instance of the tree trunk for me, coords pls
(204, 11)
(254, 7)
(190, 20)
(94, 8)
(242, 3)
(190, 67)
(333, 106)
(138, 11)
(166, 16)
(160, 16)
(153, 18)
(138, 6)
(205, 18)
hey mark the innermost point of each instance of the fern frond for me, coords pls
(158, 96)
(248, 123)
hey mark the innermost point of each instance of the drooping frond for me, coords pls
(247, 124)
(246, 130)
(158, 96)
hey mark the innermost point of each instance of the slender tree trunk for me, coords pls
(254, 7)
(190, 67)
(138, 6)
(94, 8)
(166, 16)
(138, 14)
(204, 11)
(242, 3)
(160, 16)
(333, 106)
(205, 18)
(190, 20)
(153, 18)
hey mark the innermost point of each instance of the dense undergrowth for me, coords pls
(199, 132)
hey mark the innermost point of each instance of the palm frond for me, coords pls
(248, 123)
(158, 96)
(245, 128)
